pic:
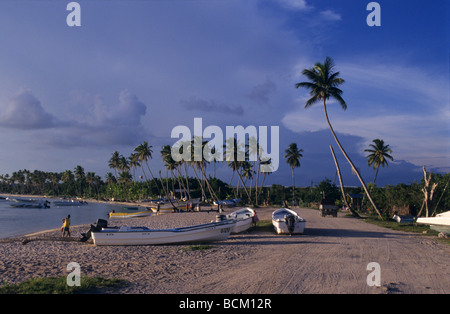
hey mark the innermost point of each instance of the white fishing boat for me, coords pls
(131, 214)
(286, 221)
(209, 232)
(441, 222)
(244, 218)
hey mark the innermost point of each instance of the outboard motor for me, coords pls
(220, 218)
(290, 222)
(101, 223)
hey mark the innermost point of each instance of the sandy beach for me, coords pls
(331, 257)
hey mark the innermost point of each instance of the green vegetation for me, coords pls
(58, 285)
(199, 247)
(263, 225)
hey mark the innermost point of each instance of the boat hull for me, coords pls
(131, 215)
(210, 232)
(244, 219)
(281, 226)
(439, 223)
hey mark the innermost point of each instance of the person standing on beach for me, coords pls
(66, 226)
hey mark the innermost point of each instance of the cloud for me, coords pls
(260, 93)
(298, 5)
(97, 124)
(330, 15)
(24, 111)
(109, 124)
(194, 103)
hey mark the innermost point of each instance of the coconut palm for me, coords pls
(378, 155)
(144, 152)
(323, 85)
(293, 155)
(231, 144)
(113, 162)
(81, 177)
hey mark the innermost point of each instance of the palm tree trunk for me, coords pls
(245, 188)
(293, 187)
(350, 162)
(376, 174)
(342, 184)
(256, 183)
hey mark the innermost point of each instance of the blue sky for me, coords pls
(134, 70)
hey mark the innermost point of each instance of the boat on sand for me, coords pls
(244, 218)
(125, 235)
(440, 223)
(286, 221)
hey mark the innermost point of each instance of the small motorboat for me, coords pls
(286, 221)
(68, 203)
(30, 204)
(127, 213)
(440, 223)
(125, 235)
(244, 218)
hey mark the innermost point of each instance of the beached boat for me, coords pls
(228, 203)
(180, 205)
(287, 221)
(131, 213)
(441, 222)
(162, 209)
(244, 218)
(209, 232)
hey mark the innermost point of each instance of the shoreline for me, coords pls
(85, 227)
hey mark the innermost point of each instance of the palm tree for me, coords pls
(133, 161)
(231, 144)
(114, 161)
(378, 155)
(79, 174)
(144, 153)
(293, 155)
(323, 85)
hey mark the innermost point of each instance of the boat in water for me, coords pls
(286, 221)
(69, 203)
(125, 235)
(30, 204)
(244, 218)
(440, 223)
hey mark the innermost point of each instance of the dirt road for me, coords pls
(332, 257)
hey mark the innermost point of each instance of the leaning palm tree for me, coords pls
(323, 85)
(293, 155)
(378, 155)
(144, 153)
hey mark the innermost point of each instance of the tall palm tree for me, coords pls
(114, 161)
(323, 85)
(144, 152)
(231, 144)
(378, 155)
(293, 155)
(81, 177)
(133, 162)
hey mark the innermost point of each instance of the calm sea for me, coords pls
(19, 221)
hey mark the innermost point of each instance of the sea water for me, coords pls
(19, 221)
